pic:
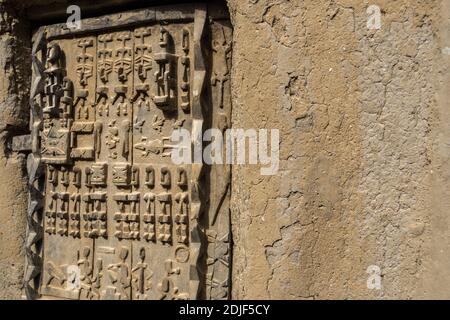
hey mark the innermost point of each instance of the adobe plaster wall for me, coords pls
(14, 83)
(363, 150)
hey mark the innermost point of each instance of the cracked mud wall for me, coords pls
(360, 180)
(14, 85)
(436, 280)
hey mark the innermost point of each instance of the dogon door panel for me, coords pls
(119, 219)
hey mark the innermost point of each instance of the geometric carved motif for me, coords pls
(120, 219)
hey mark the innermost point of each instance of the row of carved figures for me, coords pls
(59, 89)
(65, 116)
(88, 280)
(87, 215)
(120, 60)
(123, 175)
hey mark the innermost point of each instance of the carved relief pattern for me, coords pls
(120, 220)
(218, 235)
(35, 168)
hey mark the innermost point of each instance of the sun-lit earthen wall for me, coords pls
(14, 83)
(363, 149)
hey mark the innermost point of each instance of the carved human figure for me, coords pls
(165, 217)
(112, 139)
(57, 113)
(55, 276)
(85, 272)
(66, 102)
(102, 103)
(50, 214)
(142, 277)
(221, 72)
(53, 89)
(185, 86)
(142, 61)
(75, 215)
(85, 67)
(164, 77)
(181, 217)
(104, 54)
(119, 274)
(149, 217)
(167, 288)
(97, 280)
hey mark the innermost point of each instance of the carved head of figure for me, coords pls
(123, 254)
(47, 123)
(67, 86)
(53, 54)
(142, 254)
(86, 252)
(166, 43)
(163, 37)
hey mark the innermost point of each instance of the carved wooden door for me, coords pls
(119, 219)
